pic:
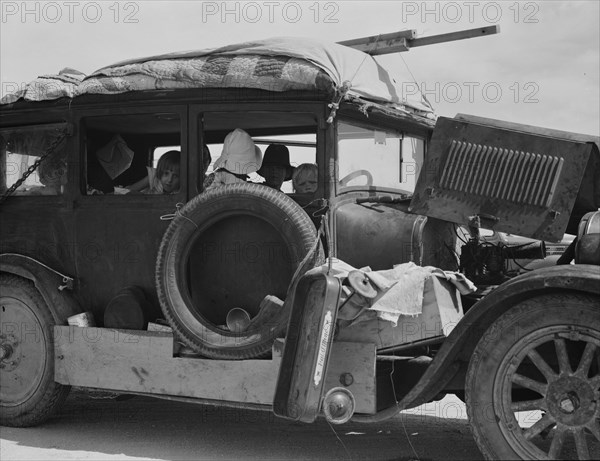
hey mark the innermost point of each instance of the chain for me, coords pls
(32, 168)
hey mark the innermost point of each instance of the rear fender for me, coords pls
(60, 302)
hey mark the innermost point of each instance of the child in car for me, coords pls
(164, 179)
(239, 158)
(53, 177)
(305, 178)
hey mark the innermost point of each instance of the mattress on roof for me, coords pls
(278, 64)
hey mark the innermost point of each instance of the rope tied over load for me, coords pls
(335, 105)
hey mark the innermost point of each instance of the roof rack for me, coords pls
(404, 40)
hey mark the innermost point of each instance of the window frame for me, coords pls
(132, 110)
(372, 126)
(197, 136)
(50, 124)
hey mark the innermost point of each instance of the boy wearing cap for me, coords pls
(239, 158)
(276, 166)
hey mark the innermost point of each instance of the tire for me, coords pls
(533, 383)
(28, 393)
(230, 247)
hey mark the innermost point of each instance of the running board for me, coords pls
(144, 362)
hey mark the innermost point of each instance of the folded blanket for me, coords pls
(47, 87)
(271, 73)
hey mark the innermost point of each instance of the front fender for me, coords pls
(582, 278)
(59, 301)
(459, 345)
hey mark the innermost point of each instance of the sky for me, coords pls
(541, 69)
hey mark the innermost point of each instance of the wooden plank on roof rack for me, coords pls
(452, 36)
(383, 43)
(404, 40)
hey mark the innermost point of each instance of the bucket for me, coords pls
(238, 320)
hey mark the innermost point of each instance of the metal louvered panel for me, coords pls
(515, 178)
(519, 177)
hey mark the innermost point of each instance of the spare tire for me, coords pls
(230, 247)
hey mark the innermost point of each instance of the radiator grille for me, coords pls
(520, 177)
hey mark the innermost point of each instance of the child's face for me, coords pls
(306, 184)
(170, 179)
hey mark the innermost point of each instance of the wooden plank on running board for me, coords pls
(138, 363)
(142, 361)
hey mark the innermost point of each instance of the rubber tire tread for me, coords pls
(181, 229)
(50, 395)
(478, 394)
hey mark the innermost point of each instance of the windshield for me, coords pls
(380, 159)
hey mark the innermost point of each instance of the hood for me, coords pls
(519, 179)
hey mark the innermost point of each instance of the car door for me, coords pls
(118, 234)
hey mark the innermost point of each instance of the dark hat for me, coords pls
(277, 155)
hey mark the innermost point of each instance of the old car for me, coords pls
(396, 185)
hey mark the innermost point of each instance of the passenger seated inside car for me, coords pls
(239, 158)
(305, 178)
(53, 177)
(164, 179)
(276, 168)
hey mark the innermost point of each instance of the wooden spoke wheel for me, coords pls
(533, 385)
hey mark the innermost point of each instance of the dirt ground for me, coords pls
(98, 426)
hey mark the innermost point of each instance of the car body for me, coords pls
(393, 188)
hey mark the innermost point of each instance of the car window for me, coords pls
(21, 148)
(296, 131)
(122, 150)
(302, 149)
(370, 158)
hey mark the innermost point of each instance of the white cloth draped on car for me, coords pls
(400, 290)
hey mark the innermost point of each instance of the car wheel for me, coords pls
(28, 393)
(533, 383)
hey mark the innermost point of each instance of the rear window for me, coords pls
(21, 148)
